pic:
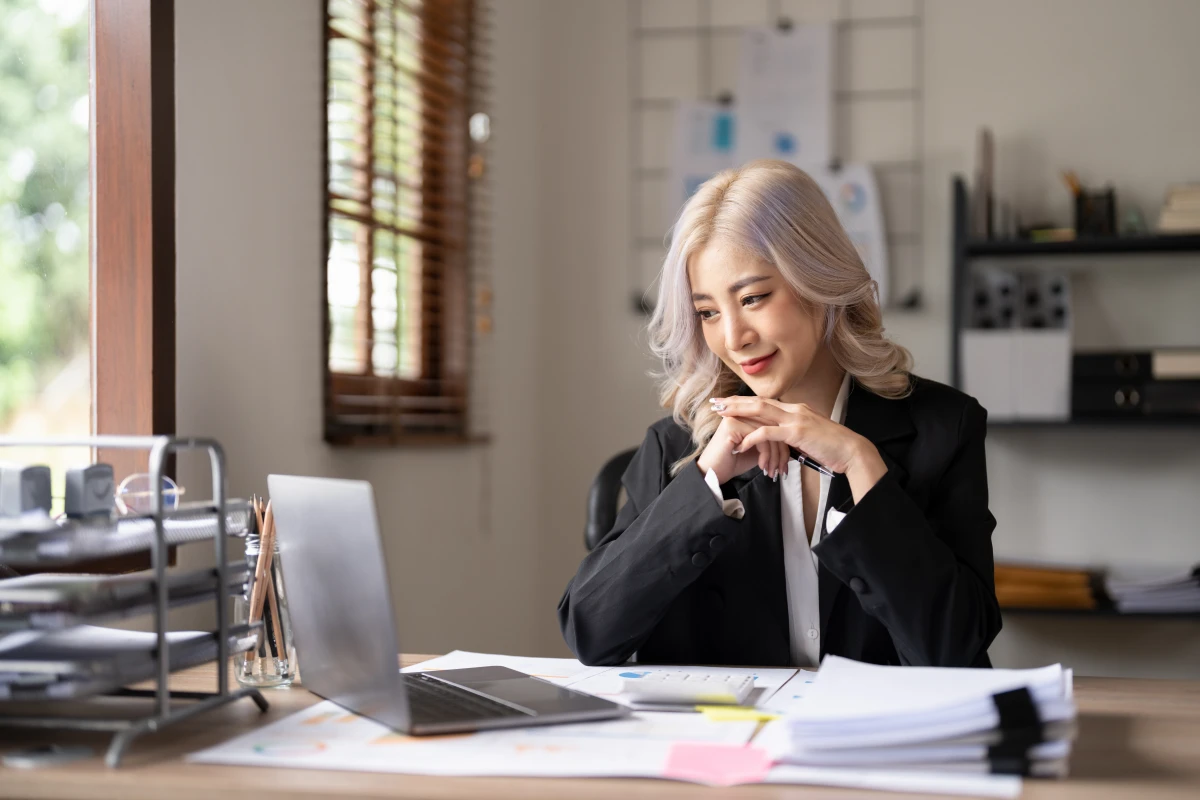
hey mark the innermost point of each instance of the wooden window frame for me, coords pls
(442, 390)
(132, 238)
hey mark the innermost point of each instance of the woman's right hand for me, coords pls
(723, 457)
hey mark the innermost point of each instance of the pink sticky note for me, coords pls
(717, 764)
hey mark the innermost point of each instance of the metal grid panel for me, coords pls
(689, 50)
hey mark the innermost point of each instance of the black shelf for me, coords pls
(965, 249)
(1097, 422)
(1107, 613)
(1111, 245)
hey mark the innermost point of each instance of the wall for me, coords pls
(481, 541)
(459, 529)
(1094, 86)
(1098, 87)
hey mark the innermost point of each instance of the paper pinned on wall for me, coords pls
(702, 145)
(785, 95)
(854, 195)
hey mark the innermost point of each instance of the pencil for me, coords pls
(269, 589)
(277, 643)
(260, 568)
(256, 504)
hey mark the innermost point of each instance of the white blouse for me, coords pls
(799, 562)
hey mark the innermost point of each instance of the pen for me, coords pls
(808, 462)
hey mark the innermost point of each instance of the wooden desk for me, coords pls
(1138, 739)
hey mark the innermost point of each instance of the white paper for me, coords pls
(854, 195)
(785, 95)
(702, 146)
(851, 704)
(775, 740)
(789, 696)
(935, 756)
(894, 780)
(561, 671)
(846, 690)
(608, 684)
(326, 736)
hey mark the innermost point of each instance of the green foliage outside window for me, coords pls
(43, 194)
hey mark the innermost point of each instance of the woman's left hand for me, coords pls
(814, 434)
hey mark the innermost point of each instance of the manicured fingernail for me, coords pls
(766, 474)
(776, 478)
(735, 452)
(718, 406)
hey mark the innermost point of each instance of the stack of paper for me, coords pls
(932, 719)
(1164, 592)
(1039, 586)
(1181, 209)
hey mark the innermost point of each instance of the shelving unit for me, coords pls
(87, 537)
(1110, 245)
(1096, 422)
(1105, 613)
(966, 250)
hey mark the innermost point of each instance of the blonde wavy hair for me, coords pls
(775, 211)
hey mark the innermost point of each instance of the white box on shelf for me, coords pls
(1042, 374)
(988, 370)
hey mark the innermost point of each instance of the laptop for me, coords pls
(341, 610)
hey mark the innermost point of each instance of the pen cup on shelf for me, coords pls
(1096, 212)
(272, 661)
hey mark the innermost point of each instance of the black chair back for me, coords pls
(602, 498)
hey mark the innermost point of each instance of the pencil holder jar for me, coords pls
(263, 602)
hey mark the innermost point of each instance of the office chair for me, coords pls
(602, 498)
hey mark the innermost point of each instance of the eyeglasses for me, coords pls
(135, 494)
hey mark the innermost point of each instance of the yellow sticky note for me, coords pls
(735, 714)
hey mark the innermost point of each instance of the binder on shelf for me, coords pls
(1016, 348)
(1033, 586)
(1151, 383)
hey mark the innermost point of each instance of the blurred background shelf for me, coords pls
(1111, 245)
(1098, 422)
(1097, 612)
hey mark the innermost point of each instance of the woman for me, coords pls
(727, 551)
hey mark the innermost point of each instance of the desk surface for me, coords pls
(1137, 738)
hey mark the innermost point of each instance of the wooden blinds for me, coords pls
(405, 138)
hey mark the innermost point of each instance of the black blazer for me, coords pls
(905, 578)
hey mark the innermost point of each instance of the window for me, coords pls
(87, 238)
(406, 167)
(45, 372)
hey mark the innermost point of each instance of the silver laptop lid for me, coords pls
(337, 593)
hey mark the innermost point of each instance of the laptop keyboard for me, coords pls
(431, 700)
